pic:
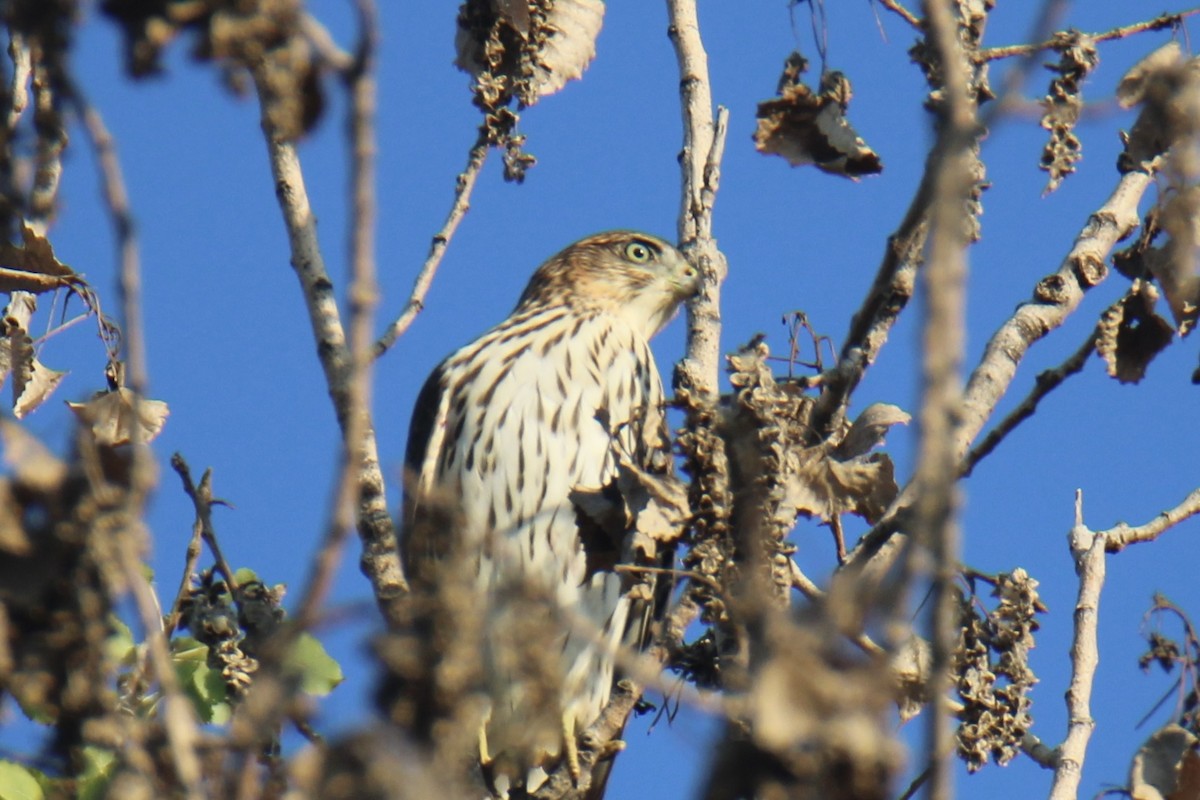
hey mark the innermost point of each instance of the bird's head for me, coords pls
(639, 277)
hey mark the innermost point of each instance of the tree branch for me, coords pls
(464, 185)
(1087, 548)
(703, 144)
(363, 298)
(944, 288)
(380, 558)
(1121, 535)
(1158, 23)
(1043, 384)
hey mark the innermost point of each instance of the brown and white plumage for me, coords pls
(507, 429)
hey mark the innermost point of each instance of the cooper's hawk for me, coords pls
(508, 432)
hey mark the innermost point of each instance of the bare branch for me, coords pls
(464, 185)
(178, 718)
(1055, 297)
(703, 143)
(1121, 535)
(363, 298)
(896, 7)
(1158, 23)
(380, 558)
(203, 501)
(1043, 384)
(1088, 550)
(935, 510)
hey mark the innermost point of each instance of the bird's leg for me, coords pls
(571, 746)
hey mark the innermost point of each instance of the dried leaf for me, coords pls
(811, 128)
(32, 388)
(33, 382)
(1132, 88)
(32, 266)
(33, 465)
(822, 486)
(1130, 334)
(113, 420)
(1174, 265)
(911, 665)
(869, 430)
(1064, 101)
(526, 49)
(1166, 766)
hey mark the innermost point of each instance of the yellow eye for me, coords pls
(638, 252)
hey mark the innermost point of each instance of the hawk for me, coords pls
(509, 432)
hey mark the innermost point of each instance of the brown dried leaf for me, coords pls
(811, 128)
(32, 266)
(822, 486)
(34, 466)
(112, 417)
(526, 48)
(1166, 766)
(870, 428)
(1130, 334)
(1174, 265)
(1064, 101)
(33, 382)
(1132, 88)
(911, 666)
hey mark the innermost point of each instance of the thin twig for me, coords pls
(1087, 548)
(1121, 536)
(1043, 384)
(203, 501)
(894, 6)
(321, 40)
(363, 299)
(1156, 24)
(1056, 297)
(178, 719)
(464, 185)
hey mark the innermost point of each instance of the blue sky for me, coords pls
(230, 348)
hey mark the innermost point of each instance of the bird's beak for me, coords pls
(687, 280)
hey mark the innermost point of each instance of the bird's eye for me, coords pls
(638, 252)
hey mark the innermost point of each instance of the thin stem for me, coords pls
(1121, 536)
(1156, 24)
(1043, 384)
(464, 185)
(1088, 551)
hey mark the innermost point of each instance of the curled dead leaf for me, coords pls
(807, 127)
(870, 428)
(33, 464)
(1132, 88)
(819, 485)
(32, 265)
(1130, 334)
(911, 665)
(33, 381)
(1166, 767)
(526, 48)
(114, 416)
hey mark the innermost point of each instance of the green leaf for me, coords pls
(98, 766)
(318, 672)
(202, 683)
(120, 645)
(244, 575)
(18, 782)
